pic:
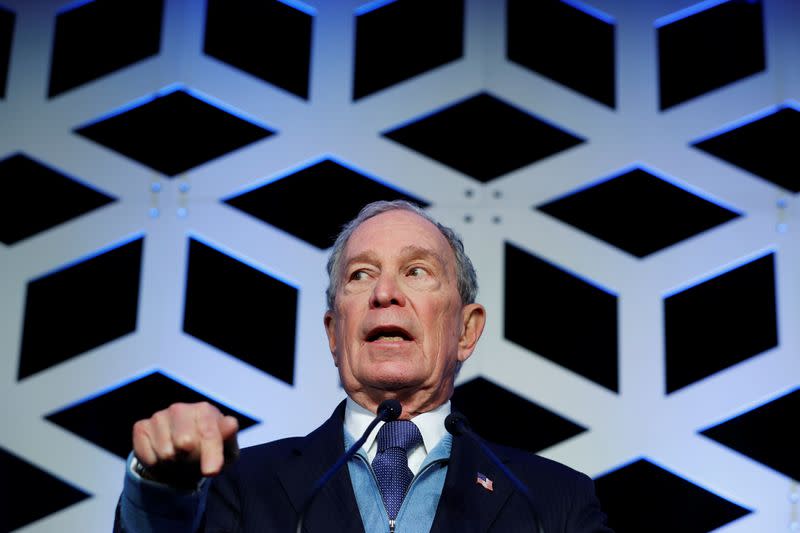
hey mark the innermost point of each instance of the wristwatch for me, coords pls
(177, 475)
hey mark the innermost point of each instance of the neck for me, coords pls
(413, 404)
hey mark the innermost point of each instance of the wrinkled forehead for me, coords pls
(399, 233)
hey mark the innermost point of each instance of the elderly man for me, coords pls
(401, 320)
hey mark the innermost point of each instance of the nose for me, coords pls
(387, 292)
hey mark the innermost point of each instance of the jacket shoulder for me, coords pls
(526, 463)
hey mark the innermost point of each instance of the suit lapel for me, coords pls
(465, 505)
(334, 508)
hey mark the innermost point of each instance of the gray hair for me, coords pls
(466, 278)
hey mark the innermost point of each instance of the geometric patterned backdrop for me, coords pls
(625, 175)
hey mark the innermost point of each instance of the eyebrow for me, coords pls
(363, 257)
(412, 251)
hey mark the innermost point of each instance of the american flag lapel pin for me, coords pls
(484, 482)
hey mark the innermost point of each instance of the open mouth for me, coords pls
(388, 334)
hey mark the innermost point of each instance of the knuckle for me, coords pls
(159, 417)
(206, 409)
(207, 429)
(184, 442)
(166, 452)
(176, 409)
(140, 428)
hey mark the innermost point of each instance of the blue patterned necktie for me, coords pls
(395, 439)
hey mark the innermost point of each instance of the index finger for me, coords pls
(211, 441)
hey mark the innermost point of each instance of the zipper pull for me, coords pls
(391, 526)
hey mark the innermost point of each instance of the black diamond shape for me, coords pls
(325, 187)
(106, 420)
(561, 317)
(644, 497)
(483, 137)
(564, 43)
(480, 400)
(22, 486)
(404, 39)
(37, 197)
(267, 39)
(767, 147)
(720, 322)
(97, 38)
(174, 132)
(765, 434)
(241, 310)
(638, 212)
(81, 307)
(6, 36)
(709, 49)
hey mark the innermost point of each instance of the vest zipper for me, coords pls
(413, 481)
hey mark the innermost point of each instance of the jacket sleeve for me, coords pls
(149, 507)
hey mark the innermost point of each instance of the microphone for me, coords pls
(388, 410)
(457, 425)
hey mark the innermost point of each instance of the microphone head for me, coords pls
(389, 410)
(456, 424)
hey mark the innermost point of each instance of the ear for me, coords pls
(330, 330)
(473, 318)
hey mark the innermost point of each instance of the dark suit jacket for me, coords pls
(264, 490)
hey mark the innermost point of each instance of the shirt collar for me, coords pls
(430, 424)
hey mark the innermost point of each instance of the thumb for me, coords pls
(228, 426)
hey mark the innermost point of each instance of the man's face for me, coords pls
(398, 328)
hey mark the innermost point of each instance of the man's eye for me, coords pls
(417, 271)
(358, 275)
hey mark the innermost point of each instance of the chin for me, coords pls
(393, 382)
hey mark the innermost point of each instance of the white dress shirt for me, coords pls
(430, 424)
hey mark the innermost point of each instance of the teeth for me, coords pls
(390, 339)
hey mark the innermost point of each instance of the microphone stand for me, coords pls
(388, 410)
(457, 425)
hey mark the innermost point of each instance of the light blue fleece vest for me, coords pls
(419, 506)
